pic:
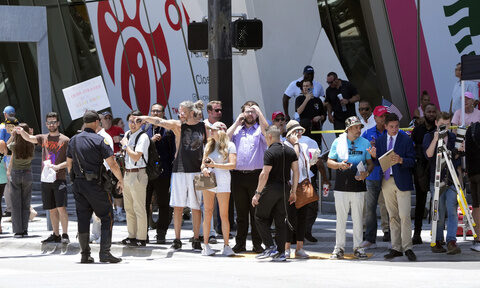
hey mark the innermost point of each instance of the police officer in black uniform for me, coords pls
(85, 154)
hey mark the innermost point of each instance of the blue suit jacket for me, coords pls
(402, 173)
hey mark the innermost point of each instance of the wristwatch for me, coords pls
(258, 193)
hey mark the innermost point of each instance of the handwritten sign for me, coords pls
(87, 95)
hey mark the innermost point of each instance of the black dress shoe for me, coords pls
(386, 236)
(310, 238)
(161, 239)
(417, 240)
(392, 254)
(410, 255)
(257, 249)
(239, 248)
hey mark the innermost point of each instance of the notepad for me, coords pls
(386, 160)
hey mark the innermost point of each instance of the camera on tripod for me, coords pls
(442, 131)
(461, 131)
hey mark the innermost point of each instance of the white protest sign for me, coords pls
(87, 95)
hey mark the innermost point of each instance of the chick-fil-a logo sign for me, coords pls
(135, 50)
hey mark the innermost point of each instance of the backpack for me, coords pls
(153, 168)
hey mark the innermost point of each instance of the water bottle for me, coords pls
(340, 97)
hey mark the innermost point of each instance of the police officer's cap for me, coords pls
(90, 116)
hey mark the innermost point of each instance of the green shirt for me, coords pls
(19, 164)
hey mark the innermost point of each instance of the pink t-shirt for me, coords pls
(469, 117)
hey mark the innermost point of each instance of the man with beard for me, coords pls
(54, 195)
(191, 133)
(248, 135)
(420, 175)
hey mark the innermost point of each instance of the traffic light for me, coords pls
(198, 36)
(247, 34)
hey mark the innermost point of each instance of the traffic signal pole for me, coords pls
(220, 56)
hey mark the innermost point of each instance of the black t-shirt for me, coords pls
(472, 147)
(418, 134)
(274, 156)
(313, 108)
(331, 96)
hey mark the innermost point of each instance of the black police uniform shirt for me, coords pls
(91, 149)
(348, 91)
(280, 157)
(313, 109)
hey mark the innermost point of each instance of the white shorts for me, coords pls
(183, 191)
(223, 181)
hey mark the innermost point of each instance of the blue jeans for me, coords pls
(373, 191)
(447, 202)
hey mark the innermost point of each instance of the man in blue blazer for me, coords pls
(397, 185)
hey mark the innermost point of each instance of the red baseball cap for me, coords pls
(380, 110)
(276, 113)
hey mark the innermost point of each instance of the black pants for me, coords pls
(90, 197)
(161, 188)
(422, 185)
(272, 205)
(243, 188)
(298, 219)
(2, 188)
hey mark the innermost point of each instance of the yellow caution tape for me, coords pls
(341, 131)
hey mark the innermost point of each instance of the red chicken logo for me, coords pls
(135, 52)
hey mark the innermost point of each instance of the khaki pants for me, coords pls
(134, 197)
(398, 205)
(343, 202)
(383, 213)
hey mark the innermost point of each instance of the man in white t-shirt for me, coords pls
(293, 90)
(470, 86)
(136, 180)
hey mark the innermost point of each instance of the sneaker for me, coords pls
(18, 235)
(177, 245)
(258, 249)
(199, 238)
(438, 248)
(410, 255)
(310, 238)
(197, 245)
(51, 239)
(160, 239)
(121, 217)
(279, 257)
(207, 250)
(227, 251)
(128, 241)
(301, 254)
(452, 248)
(338, 253)
(65, 239)
(416, 240)
(475, 246)
(138, 243)
(359, 253)
(287, 253)
(212, 240)
(392, 254)
(269, 252)
(368, 245)
(239, 248)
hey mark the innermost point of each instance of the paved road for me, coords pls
(26, 261)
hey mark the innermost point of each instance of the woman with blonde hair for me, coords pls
(20, 175)
(219, 157)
